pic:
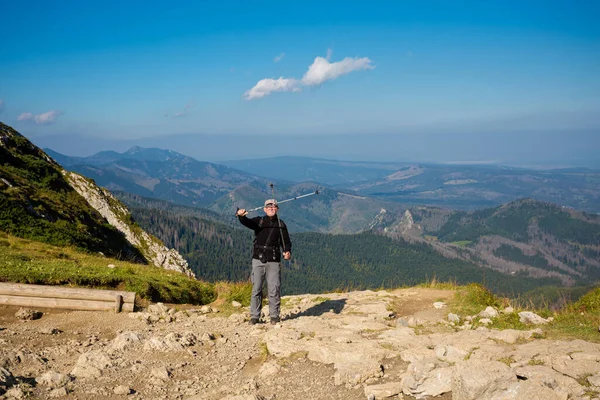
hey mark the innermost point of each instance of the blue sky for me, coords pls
(133, 69)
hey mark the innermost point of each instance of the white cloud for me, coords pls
(1, 106)
(322, 70)
(265, 87)
(319, 71)
(279, 57)
(46, 118)
(25, 117)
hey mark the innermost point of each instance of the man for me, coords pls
(270, 234)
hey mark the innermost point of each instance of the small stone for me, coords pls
(111, 266)
(122, 390)
(439, 304)
(50, 331)
(236, 304)
(28, 314)
(59, 392)
(453, 318)
(205, 309)
(489, 312)
(485, 321)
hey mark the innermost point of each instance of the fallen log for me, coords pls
(19, 294)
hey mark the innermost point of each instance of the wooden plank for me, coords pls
(71, 304)
(25, 290)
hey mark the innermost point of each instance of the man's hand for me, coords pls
(287, 255)
(241, 212)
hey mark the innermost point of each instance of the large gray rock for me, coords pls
(91, 364)
(427, 377)
(53, 379)
(528, 317)
(562, 385)
(477, 380)
(124, 341)
(115, 213)
(529, 390)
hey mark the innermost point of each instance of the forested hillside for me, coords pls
(321, 262)
(524, 237)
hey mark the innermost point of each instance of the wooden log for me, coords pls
(24, 290)
(71, 304)
(65, 297)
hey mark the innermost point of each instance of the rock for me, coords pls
(50, 331)
(28, 314)
(454, 318)
(237, 318)
(489, 312)
(383, 390)
(53, 379)
(236, 304)
(530, 390)
(485, 321)
(15, 392)
(575, 368)
(594, 380)
(111, 266)
(528, 317)
(114, 212)
(6, 378)
(158, 309)
(161, 373)
(508, 310)
(124, 341)
(424, 378)
(122, 390)
(58, 393)
(269, 369)
(91, 364)
(562, 385)
(206, 309)
(480, 380)
(439, 304)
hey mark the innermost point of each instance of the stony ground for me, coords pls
(334, 346)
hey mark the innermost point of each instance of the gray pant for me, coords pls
(271, 272)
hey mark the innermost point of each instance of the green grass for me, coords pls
(462, 243)
(24, 261)
(579, 320)
(473, 298)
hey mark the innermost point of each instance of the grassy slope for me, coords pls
(25, 261)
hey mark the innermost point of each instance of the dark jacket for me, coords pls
(267, 236)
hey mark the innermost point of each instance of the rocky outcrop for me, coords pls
(118, 216)
(328, 346)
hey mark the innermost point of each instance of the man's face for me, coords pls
(270, 210)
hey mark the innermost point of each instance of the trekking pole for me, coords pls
(283, 201)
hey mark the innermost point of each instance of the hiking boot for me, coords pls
(253, 321)
(274, 321)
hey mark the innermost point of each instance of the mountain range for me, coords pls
(523, 243)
